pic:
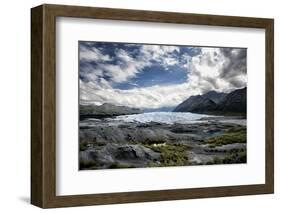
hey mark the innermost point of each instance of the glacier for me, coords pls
(163, 117)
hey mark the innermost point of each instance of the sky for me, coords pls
(150, 76)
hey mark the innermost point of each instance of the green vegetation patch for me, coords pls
(236, 156)
(88, 165)
(232, 135)
(171, 154)
(120, 166)
(83, 145)
(155, 140)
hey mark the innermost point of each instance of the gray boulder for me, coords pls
(117, 156)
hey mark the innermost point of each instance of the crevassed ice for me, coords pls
(162, 117)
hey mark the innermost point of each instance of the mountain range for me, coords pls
(105, 110)
(212, 102)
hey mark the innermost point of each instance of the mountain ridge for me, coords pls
(216, 103)
(105, 110)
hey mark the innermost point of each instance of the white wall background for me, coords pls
(15, 105)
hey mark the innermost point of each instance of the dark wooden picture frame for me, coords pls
(43, 105)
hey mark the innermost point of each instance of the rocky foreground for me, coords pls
(135, 145)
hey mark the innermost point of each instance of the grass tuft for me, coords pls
(120, 166)
(236, 156)
(233, 135)
(171, 155)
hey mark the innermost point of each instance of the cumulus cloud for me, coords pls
(125, 69)
(92, 54)
(220, 69)
(126, 66)
(160, 53)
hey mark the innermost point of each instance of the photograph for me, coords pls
(160, 105)
(140, 105)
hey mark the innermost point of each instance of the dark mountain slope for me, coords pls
(235, 102)
(215, 96)
(216, 103)
(198, 104)
(105, 110)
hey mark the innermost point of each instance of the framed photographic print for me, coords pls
(136, 106)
